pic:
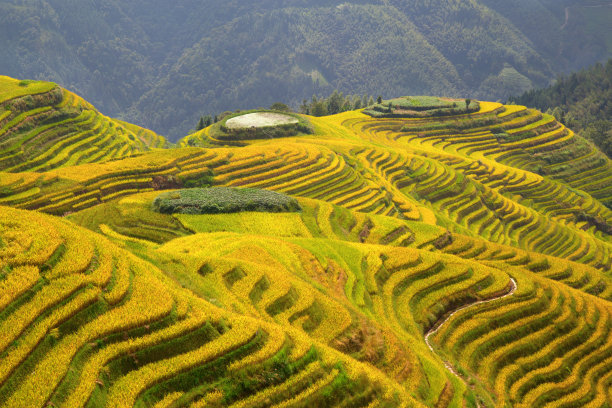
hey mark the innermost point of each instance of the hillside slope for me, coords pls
(165, 67)
(43, 126)
(583, 100)
(80, 328)
(437, 260)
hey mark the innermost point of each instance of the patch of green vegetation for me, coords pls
(53, 260)
(272, 372)
(200, 380)
(26, 82)
(335, 103)
(217, 200)
(4, 272)
(421, 107)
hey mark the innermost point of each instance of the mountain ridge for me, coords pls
(133, 58)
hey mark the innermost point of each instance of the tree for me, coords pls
(347, 105)
(379, 99)
(364, 100)
(304, 107)
(600, 132)
(467, 103)
(558, 113)
(279, 106)
(208, 120)
(319, 108)
(201, 124)
(357, 102)
(335, 103)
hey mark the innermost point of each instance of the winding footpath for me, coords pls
(437, 326)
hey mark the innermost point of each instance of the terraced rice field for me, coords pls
(44, 127)
(436, 262)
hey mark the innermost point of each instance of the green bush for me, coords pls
(217, 200)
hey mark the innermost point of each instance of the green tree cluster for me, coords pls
(204, 122)
(334, 103)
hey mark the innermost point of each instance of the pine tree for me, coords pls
(201, 125)
(364, 100)
(319, 108)
(279, 106)
(347, 105)
(335, 102)
(304, 108)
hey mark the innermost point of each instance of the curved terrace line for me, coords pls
(438, 325)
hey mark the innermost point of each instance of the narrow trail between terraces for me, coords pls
(439, 324)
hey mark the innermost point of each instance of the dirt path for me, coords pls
(438, 325)
(567, 14)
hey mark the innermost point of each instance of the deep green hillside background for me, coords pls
(582, 100)
(163, 64)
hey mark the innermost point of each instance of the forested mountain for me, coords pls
(162, 65)
(582, 100)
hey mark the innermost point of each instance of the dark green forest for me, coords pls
(582, 101)
(164, 64)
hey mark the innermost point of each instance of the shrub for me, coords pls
(280, 107)
(217, 200)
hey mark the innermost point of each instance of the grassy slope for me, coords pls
(403, 221)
